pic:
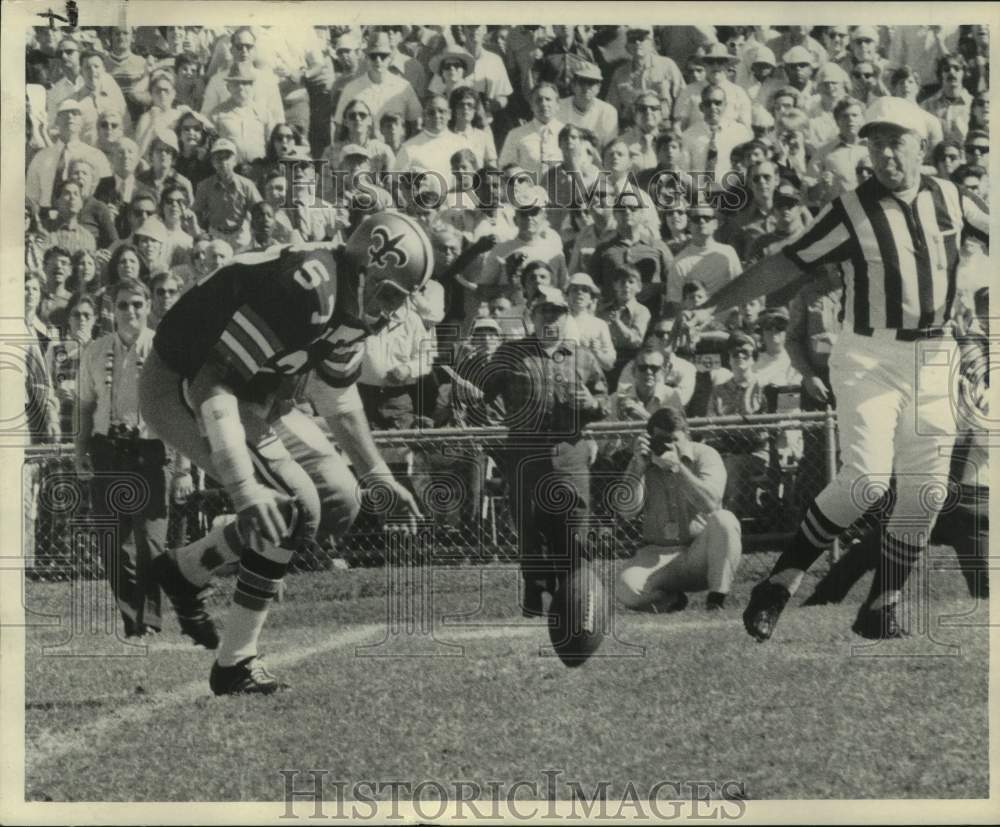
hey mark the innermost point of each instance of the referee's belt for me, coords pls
(912, 335)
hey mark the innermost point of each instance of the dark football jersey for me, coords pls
(266, 318)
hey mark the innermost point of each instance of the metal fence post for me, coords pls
(830, 428)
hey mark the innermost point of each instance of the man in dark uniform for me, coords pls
(551, 389)
(226, 361)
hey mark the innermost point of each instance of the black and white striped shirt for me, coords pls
(899, 259)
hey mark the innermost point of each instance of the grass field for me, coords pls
(681, 696)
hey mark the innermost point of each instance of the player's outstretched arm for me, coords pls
(257, 506)
(766, 276)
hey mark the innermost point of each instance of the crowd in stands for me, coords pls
(635, 168)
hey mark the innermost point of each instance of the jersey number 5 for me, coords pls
(313, 276)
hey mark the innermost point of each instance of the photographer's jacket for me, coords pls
(109, 375)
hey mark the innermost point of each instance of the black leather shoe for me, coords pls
(879, 624)
(248, 677)
(767, 601)
(188, 601)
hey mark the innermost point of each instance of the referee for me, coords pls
(897, 238)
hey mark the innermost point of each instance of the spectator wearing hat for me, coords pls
(865, 49)
(240, 119)
(836, 41)
(710, 141)
(583, 108)
(50, 166)
(222, 201)
(68, 78)
(644, 71)
(97, 93)
(774, 365)
(380, 88)
(348, 63)
(690, 542)
(535, 146)
(762, 67)
(717, 61)
(797, 70)
(195, 134)
(150, 239)
(790, 218)
(631, 246)
(832, 84)
(626, 317)
(833, 168)
(952, 103)
(792, 37)
(163, 152)
(591, 332)
(265, 93)
(551, 388)
(452, 70)
(745, 454)
(703, 258)
(920, 48)
(641, 136)
(562, 57)
(431, 149)
(162, 115)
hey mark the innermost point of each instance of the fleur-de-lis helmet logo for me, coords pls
(384, 246)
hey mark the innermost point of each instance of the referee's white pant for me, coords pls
(894, 414)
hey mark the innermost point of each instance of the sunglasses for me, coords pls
(378, 56)
(701, 219)
(977, 148)
(777, 327)
(757, 179)
(106, 125)
(357, 116)
(715, 102)
(446, 66)
(650, 368)
(138, 304)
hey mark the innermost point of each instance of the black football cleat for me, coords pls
(879, 624)
(767, 601)
(248, 677)
(188, 601)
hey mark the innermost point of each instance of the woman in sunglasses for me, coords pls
(358, 129)
(194, 135)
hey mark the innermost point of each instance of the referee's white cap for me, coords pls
(897, 112)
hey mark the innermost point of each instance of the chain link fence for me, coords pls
(776, 464)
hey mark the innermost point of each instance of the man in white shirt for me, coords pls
(50, 166)
(535, 146)
(591, 332)
(645, 72)
(489, 75)
(833, 170)
(379, 88)
(240, 118)
(641, 136)
(584, 109)
(99, 94)
(648, 393)
(432, 148)
(717, 61)
(703, 258)
(774, 365)
(710, 142)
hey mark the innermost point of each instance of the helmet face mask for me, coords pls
(394, 255)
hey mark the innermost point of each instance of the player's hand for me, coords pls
(182, 487)
(815, 387)
(259, 511)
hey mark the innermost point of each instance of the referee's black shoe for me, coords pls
(767, 601)
(188, 601)
(879, 624)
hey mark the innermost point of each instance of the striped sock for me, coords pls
(257, 582)
(898, 559)
(815, 534)
(200, 559)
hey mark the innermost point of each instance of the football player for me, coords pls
(228, 360)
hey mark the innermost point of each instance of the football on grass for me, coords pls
(578, 616)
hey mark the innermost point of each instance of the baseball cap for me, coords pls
(897, 112)
(223, 145)
(583, 280)
(786, 194)
(831, 72)
(738, 341)
(865, 33)
(550, 295)
(718, 51)
(588, 71)
(69, 105)
(798, 54)
(773, 317)
(762, 54)
(487, 324)
(355, 150)
(151, 228)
